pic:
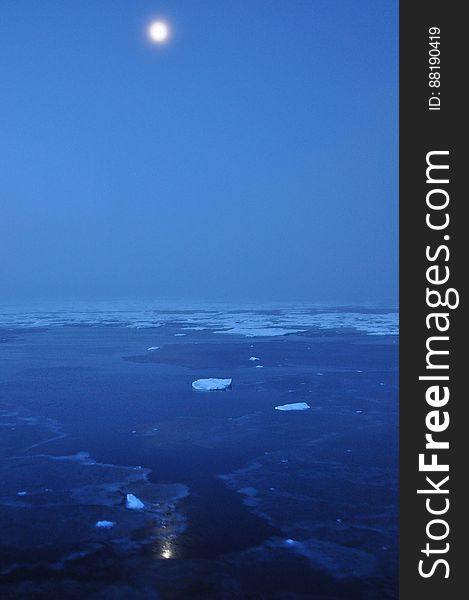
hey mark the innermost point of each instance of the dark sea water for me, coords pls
(240, 500)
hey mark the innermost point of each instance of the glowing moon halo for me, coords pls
(158, 32)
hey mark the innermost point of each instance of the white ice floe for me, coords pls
(153, 348)
(259, 366)
(290, 542)
(254, 358)
(294, 406)
(21, 493)
(179, 334)
(211, 384)
(133, 502)
(105, 524)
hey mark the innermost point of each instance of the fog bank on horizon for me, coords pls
(251, 158)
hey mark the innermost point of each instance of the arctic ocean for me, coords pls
(120, 478)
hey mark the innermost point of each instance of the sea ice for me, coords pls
(253, 358)
(229, 320)
(211, 384)
(105, 524)
(254, 331)
(259, 366)
(133, 502)
(179, 334)
(294, 406)
(153, 348)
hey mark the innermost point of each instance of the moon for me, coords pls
(158, 32)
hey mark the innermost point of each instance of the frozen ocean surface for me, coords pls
(234, 499)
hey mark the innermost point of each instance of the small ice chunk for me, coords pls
(211, 384)
(153, 348)
(259, 366)
(294, 406)
(290, 542)
(179, 334)
(133, 502)
(21, 493)
(105, 524)
(253, 358)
